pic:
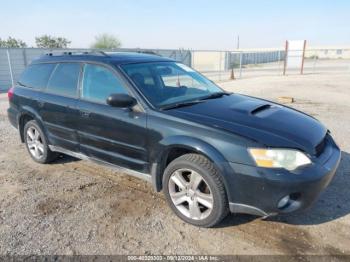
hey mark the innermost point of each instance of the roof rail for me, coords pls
(148, 52)
(71, 53)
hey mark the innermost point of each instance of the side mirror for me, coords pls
(121, 100)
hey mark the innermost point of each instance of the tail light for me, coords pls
(10, 93)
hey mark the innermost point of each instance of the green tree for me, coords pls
(12, 43)
(47, 41)
(106, 41)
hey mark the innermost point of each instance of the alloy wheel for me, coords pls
(35, 142)
(191, 194)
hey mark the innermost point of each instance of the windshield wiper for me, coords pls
(180, 104)
(200, 100)
(216, 95)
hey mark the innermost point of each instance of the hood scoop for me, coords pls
(252, 107)
(261, 108)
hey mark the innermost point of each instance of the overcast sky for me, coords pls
(195, 24)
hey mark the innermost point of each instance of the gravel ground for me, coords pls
(77, 207)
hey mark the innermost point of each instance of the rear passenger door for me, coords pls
(58, 106)
(114, 135)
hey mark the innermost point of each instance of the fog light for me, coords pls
(283, 202)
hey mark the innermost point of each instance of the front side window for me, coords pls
(64, 79)
(99, 82)
(36, 75)
(166, 83)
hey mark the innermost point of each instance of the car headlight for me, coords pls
(279, 158)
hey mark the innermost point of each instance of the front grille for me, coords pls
(320, 147)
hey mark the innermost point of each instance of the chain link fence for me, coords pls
(216, 65)
(226, 66)
(14, 60)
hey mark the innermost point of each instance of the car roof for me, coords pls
(115, 58)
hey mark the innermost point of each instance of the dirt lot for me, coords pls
(77, 207)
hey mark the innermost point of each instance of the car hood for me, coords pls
(266, 122)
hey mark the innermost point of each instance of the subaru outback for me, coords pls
(209, 151)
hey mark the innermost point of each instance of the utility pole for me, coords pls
(237, 41)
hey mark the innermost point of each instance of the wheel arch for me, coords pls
(26, 115)
(183, 145)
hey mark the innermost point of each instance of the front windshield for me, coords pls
(167, 83)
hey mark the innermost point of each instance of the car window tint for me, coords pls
(36, 76)
(64, 79)
(99, 82)
(147, 77)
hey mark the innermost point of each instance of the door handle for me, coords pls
(85, 114)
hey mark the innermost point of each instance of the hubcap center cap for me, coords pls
(191, 193)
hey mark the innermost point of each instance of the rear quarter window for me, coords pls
(64, 79)
(36, 76)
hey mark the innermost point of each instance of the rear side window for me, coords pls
(64, 79)
(36, 76)
(99, 82)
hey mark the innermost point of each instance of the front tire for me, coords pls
(36, 143)
(195, 191)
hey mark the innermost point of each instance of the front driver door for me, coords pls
(114, 135)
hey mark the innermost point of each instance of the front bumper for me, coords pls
(258, 191)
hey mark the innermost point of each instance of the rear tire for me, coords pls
(195, 191)
(36, 143)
